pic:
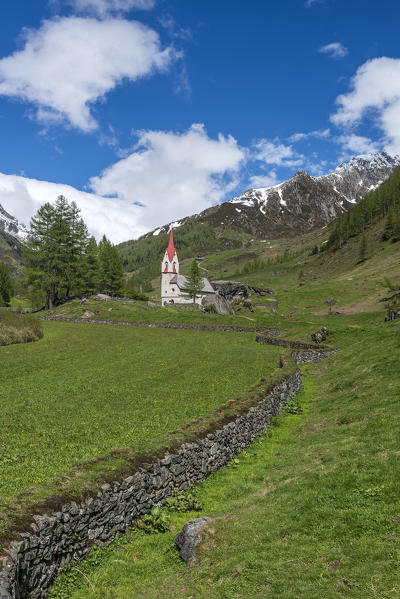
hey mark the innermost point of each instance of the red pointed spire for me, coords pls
(171, 248)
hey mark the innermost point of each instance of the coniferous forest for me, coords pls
(383, 203)
(62, 260)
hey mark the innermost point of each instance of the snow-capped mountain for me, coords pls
(304, 202)
(299, 204)
(11, 227)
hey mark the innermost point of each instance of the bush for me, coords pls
(16, 327)
(157, 521)
(184, 502)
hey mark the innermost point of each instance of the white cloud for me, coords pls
(264, 180)
(167, 177)
(172, 175)
(22, 197)
(334, 50)
(318, 133)
(103, 8)
(70, 63)
(375, 91)
(357, 144)
(277, 153)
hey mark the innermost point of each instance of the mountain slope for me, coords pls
(11, 227)
(296, 206)
(12, 237)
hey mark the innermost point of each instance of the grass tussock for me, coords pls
(16, 327)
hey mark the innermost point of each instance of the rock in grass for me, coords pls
(320, 336)
(219, 304)
(102, 297)
(189, 538)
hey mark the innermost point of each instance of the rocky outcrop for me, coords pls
(189, 538)
(260, 290)
(217, 304)
(320, 335)
(230, 290)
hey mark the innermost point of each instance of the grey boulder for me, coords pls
(189, 538)
(219, 304)
(101, 297)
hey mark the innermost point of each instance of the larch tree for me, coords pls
(5, 285)
(194, 283)
(111, 271)
(55, 250)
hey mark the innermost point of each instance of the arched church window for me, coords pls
(174, 266)
(166, 267)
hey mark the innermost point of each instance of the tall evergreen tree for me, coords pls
(5, 285)
(388, 230)
(194, 283)
(363, 248)
(55, 250)
(91, 268)
(111, 271)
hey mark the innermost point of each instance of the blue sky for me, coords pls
(145, 111)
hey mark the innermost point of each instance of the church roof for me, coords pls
(181, 280)
(171, 247)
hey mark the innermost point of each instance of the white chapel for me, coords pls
(172, 283)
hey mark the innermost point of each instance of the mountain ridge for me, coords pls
(302, 202)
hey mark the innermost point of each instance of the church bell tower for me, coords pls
(169, 268)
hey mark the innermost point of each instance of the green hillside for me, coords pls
(311, 509)
(10, 251)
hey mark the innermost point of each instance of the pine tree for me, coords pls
(91, 268)
(111, 271)
(55, 250)
(194, 282)
(363, 248)
(388, 230)
(396, 226)
(5, 285)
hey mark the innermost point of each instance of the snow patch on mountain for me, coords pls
(350, 181)
(10, 225)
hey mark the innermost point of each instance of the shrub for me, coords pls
(19, 328)
(184, 502)
(157, 521)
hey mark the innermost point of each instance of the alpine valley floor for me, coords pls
(311, 509)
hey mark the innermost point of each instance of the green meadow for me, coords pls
(310, 510)
(85, 390)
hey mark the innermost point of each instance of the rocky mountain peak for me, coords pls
(300, 203)
(10, 226)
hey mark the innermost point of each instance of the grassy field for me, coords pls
(309, 511)
(356, 288)
(84, 390)
(140, 312)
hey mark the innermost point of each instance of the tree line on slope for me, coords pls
(143, 255)
(62, 260)
(382, 203)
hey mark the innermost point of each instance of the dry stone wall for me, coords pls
(30, 565)
(170, 325)
(305, 353)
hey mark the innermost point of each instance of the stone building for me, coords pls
(172, 283)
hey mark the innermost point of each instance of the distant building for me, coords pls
(172, 283)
